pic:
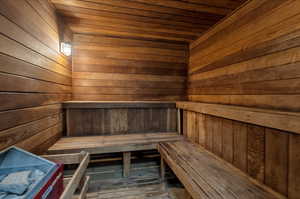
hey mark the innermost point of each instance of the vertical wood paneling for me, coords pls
(85, 122)
(277, 160)
(97, 125)
(227, 141)
(209, 127)
(148, 118)
(133, 117)
(158, 119)
(240, 145)
(256, 152)
(184, 122)
(268, 155)
(195, 135)
(294, 167)
(120, 121)
(217, 135)
(191, 126)
(201, 128)
(172, 116)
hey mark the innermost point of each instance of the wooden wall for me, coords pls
(250, 59)
(116, 69)
(271, 156)
(34, 76)
(144, 19)
(118, 121)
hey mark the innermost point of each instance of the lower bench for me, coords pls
(113, 144)
(206, 176)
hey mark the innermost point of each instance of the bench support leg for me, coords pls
(162, 169)
(163, 173)
(178, 121)
(126, 164)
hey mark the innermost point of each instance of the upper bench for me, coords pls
(112, 144)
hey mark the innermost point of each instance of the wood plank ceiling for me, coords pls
(174, 20)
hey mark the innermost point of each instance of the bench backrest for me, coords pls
(116, 118)
(262, 143)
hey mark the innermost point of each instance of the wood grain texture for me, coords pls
(191, 126)
(155, 20)
(250, 58)
(209, 128)
(256, 152)
(109, 68)
(240, 146)
(184, 122)
(117, 104)
(122, 120)
(201, 129)
(268, 155)
(227, 141)
(294, 163)
(277, 160)
(112, 144)
(283, 120)
(34, 76)
(217, 136)
(206, 176)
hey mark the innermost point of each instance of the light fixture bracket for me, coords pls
(66, 48)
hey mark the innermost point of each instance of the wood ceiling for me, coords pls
(175, 20)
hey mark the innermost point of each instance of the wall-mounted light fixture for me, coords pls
(66, 48)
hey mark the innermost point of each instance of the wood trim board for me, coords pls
(283, 120)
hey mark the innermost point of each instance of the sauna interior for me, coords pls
(156, 99)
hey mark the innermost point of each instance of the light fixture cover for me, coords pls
(66, 48)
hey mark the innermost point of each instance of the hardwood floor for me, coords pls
(144, 182)
(149, 192)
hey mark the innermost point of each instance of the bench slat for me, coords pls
(206, 176)
(112, 144)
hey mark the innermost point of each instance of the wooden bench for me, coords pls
(206, 176)
(79, 179)
(113, 144)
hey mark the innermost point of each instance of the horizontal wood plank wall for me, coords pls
(268, 155)
(34, 76)
(125, 69)
(250, 59)
(117, 121)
